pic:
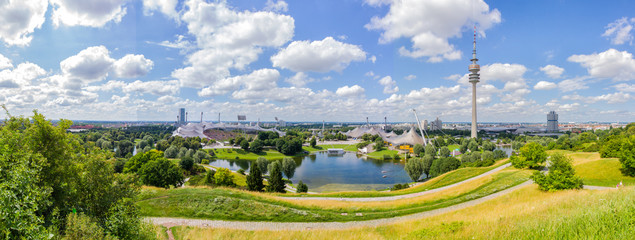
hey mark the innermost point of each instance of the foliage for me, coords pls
(80, 227)
(426, 162)
(288, 167)
(256, 146)
(200, 155)
(414, 168)
(472, 145)
(430, 150)
(627, 156)
(244, 144)
(171, 152)
(313, 142)
(443, 165)
(241, 171)
(488, 146)
(186, 163)
(124, 148)
(224, 177)
(137, 161)
(362, 144)
(444, 152)
(262, 164)
(379, 144)
(209, 177)
(561, 175)
(124, 222)
(499, 154)
(161, 173)
(399, 187)
(611, 149)
(182, 152)
(531, 155)
(163, 145)
(417, 149)
(302, 188)
(275, 178)
(254, 179)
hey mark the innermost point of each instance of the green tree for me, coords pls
(418, 149)
(426, 162)
(80, 227)
(124, 222)
(124, 148)
(224, 177)
(313, 142)
(499, 154)
(414, 168)
(171, 152)
(379, 144)
(430, 150)
(472, 145)
(302, 188)
(186, 163)
(531, 155)
(182, 152)
(254, 179)
(288, 167)
(137, 161)
(263, 164)
(161, 173)
(488, 146)
(561, 175)
(275, 178)
(444, 152)
(611, 149)
(256, 146)
(244, 144)
(627, 156)
(443, 165)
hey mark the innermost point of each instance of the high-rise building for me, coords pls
(181, 116)
(552, 122)
(425, 124)
(436, 125)
(474, 78)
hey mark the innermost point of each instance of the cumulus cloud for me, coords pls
(612, 98)
(351, 91)
(552, 71)
(90, 65)
(255, 82)
(20, 19)
(167, 7)
(613, 64)
(5, 62)
(544, 85)
(90, 13)
(619, 32)
(132, 66)
(318, 56)
(227, 39)
(21, 76)
(625, 87)
(573, 84)
(429, 35)
(300, 79)
(159, 88)
(278, 6)
(410, 77)
(390, 86)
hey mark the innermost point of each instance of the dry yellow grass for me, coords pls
(526, 210)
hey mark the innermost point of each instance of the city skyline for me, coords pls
(319, 60)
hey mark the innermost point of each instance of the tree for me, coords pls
(137, 161)
(256, 146)
(379, 144)
(124, 148)
(443, 165)
(161, 173)
(80, 227)
(275, 178)
(302, 188)
(224, 177)
(430, 150)
(532, 155)
(186, 163)
(200, 155)
(263, 164)
(561, 175)
(444, 152)
(418, 149)
(488, 146)
(288, 167)
(627, 156)
(414, 168)
(427, 164)
(313, 142)
(171, 152)
(611, 149)
(254, 179)
(244, 144)
(499, 154)
(472, 146)
(182, 152)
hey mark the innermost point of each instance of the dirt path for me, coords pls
(411, 195)
(252, 226)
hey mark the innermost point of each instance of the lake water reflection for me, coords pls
(324, 172)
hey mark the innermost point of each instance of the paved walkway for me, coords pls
(252, 226)
(411, 195)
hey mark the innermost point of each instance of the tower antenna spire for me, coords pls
(474, 78)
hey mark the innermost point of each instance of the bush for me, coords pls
(205, 161)
(161, 173)
(171, 152)
(531, 155)
(561, 175)
(362, 144)
(444, 152)
(256, 146)
(224, 177)
(244, 144)
(302, 188)
(399, 187)
(443, 165)
(80, 227)
(396, 156)
(209, 177)
(241, 171)
(627, 157)
(499, 154)
(186, 163)
(418, 149)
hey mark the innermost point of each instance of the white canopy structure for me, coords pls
(409, 138)
(359, 131)
(198, 129)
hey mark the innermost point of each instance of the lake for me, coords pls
(322, 172)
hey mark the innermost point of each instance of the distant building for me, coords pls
(552, 122)
(181, 117)
(424, 124)
(436, 125)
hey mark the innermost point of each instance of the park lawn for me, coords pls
(604, 172)
(453, 146)
(383, 154)
(315, 149)
(223, 153)
(232, 204)
(346, 147)
(526, 213)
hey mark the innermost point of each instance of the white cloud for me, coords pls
(5, 62)
(228, 40)
(89, 65)
(552, 71)
(625, 87)
(390, 86)
(19, 20)
(373, 59)
(278, 6)
(351, 91)
(619, 32)
(573, 84)
(132, 66)
(377, 3)
(21, 76)
(429, 35)
(411, 77)
(90, 13)
(318, 56)
(167, 7)
(613, 64)
(255, 82)
(544, 85)
(159, 88)
(300, 79)
(611, 98)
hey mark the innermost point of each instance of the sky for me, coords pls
(314, 60)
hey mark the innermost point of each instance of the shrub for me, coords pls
(627, 157)
(444, 152)
(302, 188)
(531, 155)
(418, 149)
(443, 165)
(561, 175)
(223, 177)
(161, 173)
(171, 152)
(396, 156)
(288, 167)
(244, 144)
(499, 154)
(256, 146)
(387, 157)
(186, 163)
(399, 186)
(80, 226)
(241, 171)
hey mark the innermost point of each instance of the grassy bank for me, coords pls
(346, 147)
(384, 154)
(523, 214)
(224, 153)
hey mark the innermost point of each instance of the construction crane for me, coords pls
(420, 128)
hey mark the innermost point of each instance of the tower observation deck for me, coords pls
(474, 68)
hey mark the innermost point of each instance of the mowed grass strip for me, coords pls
(231, 154)
(526, 213)
(230, 204)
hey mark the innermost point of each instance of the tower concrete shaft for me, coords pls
(474, 78)
(473, 135)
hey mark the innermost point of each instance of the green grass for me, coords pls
(228, 204)
(242, 154)
(315, 149)
(604, 172)
(453, 146)
(381, 154)
(346, 147)
(199, 180)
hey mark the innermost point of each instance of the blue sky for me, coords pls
(317, 60)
